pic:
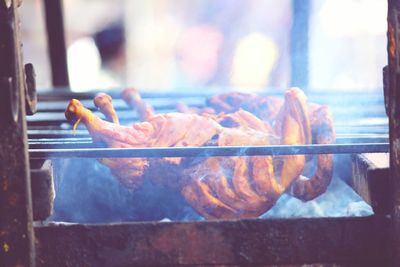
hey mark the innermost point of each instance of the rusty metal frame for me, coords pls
(16, 230)
(352, 241)
(392, 98)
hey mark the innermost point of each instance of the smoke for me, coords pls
(86, 191)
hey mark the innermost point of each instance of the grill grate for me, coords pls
(276, 150)
(261, 240)
(50, 136)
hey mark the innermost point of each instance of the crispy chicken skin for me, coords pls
(217, 187)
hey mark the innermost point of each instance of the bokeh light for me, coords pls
(254, 58)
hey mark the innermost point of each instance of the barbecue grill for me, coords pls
(29, 144)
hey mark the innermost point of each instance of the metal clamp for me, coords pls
(30, 89)
(386, 88)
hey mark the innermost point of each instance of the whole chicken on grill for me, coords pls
(217, 187)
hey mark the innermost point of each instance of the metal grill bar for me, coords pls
(210, 151)
(66, 129)
(82, 142)
(170, 104)
(321, 94)
(351, 135)
(126, 118)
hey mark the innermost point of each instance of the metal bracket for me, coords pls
(17, 246)
(30, 89)
(386, 87)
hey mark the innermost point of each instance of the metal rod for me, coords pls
(56, 42)
(128, 116)
(209, 151)
(64, 144)
(47, 94)
(82, 142)
(57, 102)
(355, 136)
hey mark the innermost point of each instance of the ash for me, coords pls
(339, 200)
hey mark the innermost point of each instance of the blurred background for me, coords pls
(225, 44)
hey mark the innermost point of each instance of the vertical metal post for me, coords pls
(392, 96)
(56, 42)
(299, 43)
(16, 231)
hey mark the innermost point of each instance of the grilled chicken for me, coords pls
(216, 187)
